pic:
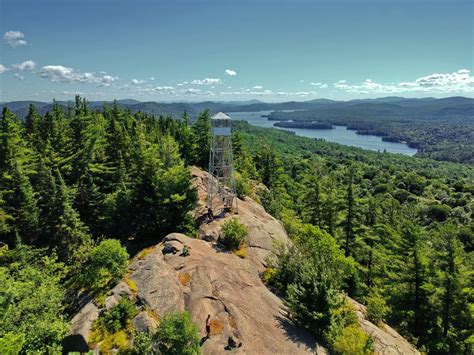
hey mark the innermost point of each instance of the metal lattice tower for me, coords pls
(221, 189)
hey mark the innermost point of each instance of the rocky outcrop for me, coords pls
(386, 339)
(212, 281)
(264, 229)
(143, 322)
(217, 283)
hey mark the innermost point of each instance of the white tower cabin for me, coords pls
(221, 189)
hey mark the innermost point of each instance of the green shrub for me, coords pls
(241, 252)
(269, 275)
(111, 325)
(142, 344)
(270, 202)
(353, 341)
(234, 234)
(377, 308)
(341, 318)
(118, 317)
(31, 302)
(11, 344)
(106, 265)
(118, 340)
(242, 185)
(177, 335)
(311, 274)
(438, 212)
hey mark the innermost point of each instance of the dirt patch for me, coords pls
(216, 326)
(184, 278)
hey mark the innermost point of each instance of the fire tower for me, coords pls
(221, 189)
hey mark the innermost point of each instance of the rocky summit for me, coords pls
(215, 282)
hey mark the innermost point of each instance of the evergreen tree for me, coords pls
(185, 139)
(201, 130)
(312, 201)
(13, 147)
(66, 229)
(453, 294)
(408, 290)
(32, 123)
(350, 216)
(329, 208)
(22, 207)
(16, 163)
(268, 166)
(163, 194)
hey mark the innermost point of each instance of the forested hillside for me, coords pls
(77, 184)
(441, 129)
(405, 223)
(69, 181)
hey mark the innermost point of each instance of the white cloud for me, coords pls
(150, 89)
(319, 85)
(18, 76)
(27, 65)
(230, 72)
(74, 93)
(267, 92)
(258, 87)
(3, 69)
(15, 38)
(152, 78)
(206, 81)
(59, 73)
(192, 91)
(108, 79)
(460, 81)
(137, 81)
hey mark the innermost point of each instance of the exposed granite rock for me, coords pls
(386, 339)
(157, 284)
(224, 286)
(144, 323)
(111, 302)
(81, 324)
(264, 229)
(212, 281)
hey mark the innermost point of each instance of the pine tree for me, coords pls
(163, 194)
(32, 124)
(16, 164)
(13, 147)
(312, 201)
(408, 287)
(185, 139)
(201, 130)
(66, 229)
(268, 166)
(329, 208)
(350, 216)
(453, 293)
(22, 206)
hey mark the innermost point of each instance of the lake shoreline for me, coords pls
(329, 132)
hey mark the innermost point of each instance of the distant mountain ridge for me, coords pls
(392, 104)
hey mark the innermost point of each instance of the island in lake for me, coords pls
(303, 124)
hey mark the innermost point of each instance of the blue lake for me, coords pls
(340, 134)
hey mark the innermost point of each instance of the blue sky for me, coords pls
(223, 50)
